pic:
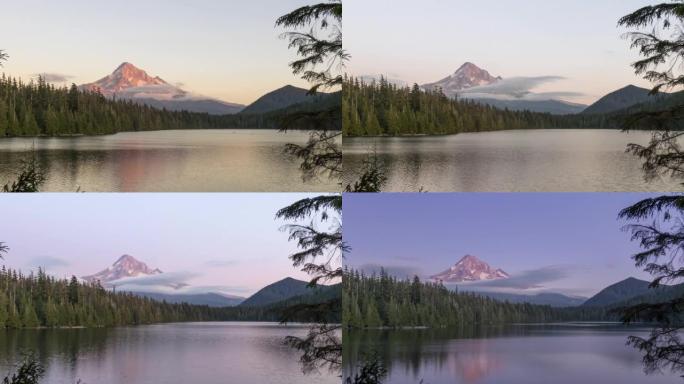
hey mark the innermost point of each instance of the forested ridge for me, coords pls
(39, 300)
(384, 109)
(385, 301)
(38, 108)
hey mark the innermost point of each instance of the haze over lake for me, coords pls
(165, 161)
(550, 160)
(207, 353)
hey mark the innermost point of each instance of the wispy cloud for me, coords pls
(518, 88)
(534, 279)
(48, 262)
(187, 290)
(171, 279)
(53, 77)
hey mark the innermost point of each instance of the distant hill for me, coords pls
(551, 299)
(210, 106)
(554, 107)
(210, 299)
(281, 98)
(619, 292)
(622, 98)
(278, 291)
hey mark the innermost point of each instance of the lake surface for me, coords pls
(523, 354)
(201, 353)
(554, 160)
(228, 160)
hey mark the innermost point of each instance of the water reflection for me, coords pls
(510, 354)
(166, 353)
(199, 160)
(508, 161)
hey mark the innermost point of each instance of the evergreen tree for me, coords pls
(73, 291)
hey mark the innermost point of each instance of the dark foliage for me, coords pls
(41, 109)
(321, 58)
(660, 56)
(371, 371)
(662, 243)
(28, 372)
(29, 178)
(385, 301)
(372, 176)
(319, 255)
(320, 62)
(380, 108)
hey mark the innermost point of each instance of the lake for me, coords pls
(228, 160)
(516, 354)
(202, 353)
(553, 160)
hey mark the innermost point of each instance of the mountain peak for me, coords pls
(468, 66)
(125, 65)
(125, 266)
(124, 77)
(126, 258)
(622, 98)
(622, 290)
(468, 75)
(470, 268)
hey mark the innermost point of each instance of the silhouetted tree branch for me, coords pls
(319, 255)
(662, 244)
(661, 56)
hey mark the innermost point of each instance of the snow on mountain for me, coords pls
(130, 82)
(125, 266)
(470, 268)
(467, 76)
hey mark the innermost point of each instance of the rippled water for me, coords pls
(554, 160)
(229, 160)
(542, 354)
(199, 353)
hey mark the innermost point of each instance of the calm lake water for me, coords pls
(201, 353)
(229, 160)
(525, 354)
(554, 160)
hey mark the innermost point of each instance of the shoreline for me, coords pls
(72, 135)
(41, 328)
(490, 131)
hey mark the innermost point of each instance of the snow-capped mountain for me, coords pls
(125, 266)
(121, 276)
(470, 268)
(467, 76)
(130, 82)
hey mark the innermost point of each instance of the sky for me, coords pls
(566, 243)
(230, 50)
(576, 40)
(228, 243)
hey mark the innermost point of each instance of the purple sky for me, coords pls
(215, 242)
(567, 243)
(578, 41)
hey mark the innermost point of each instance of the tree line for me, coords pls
(40, 300)
(385, 301)
(381, 108)
(38, 108)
